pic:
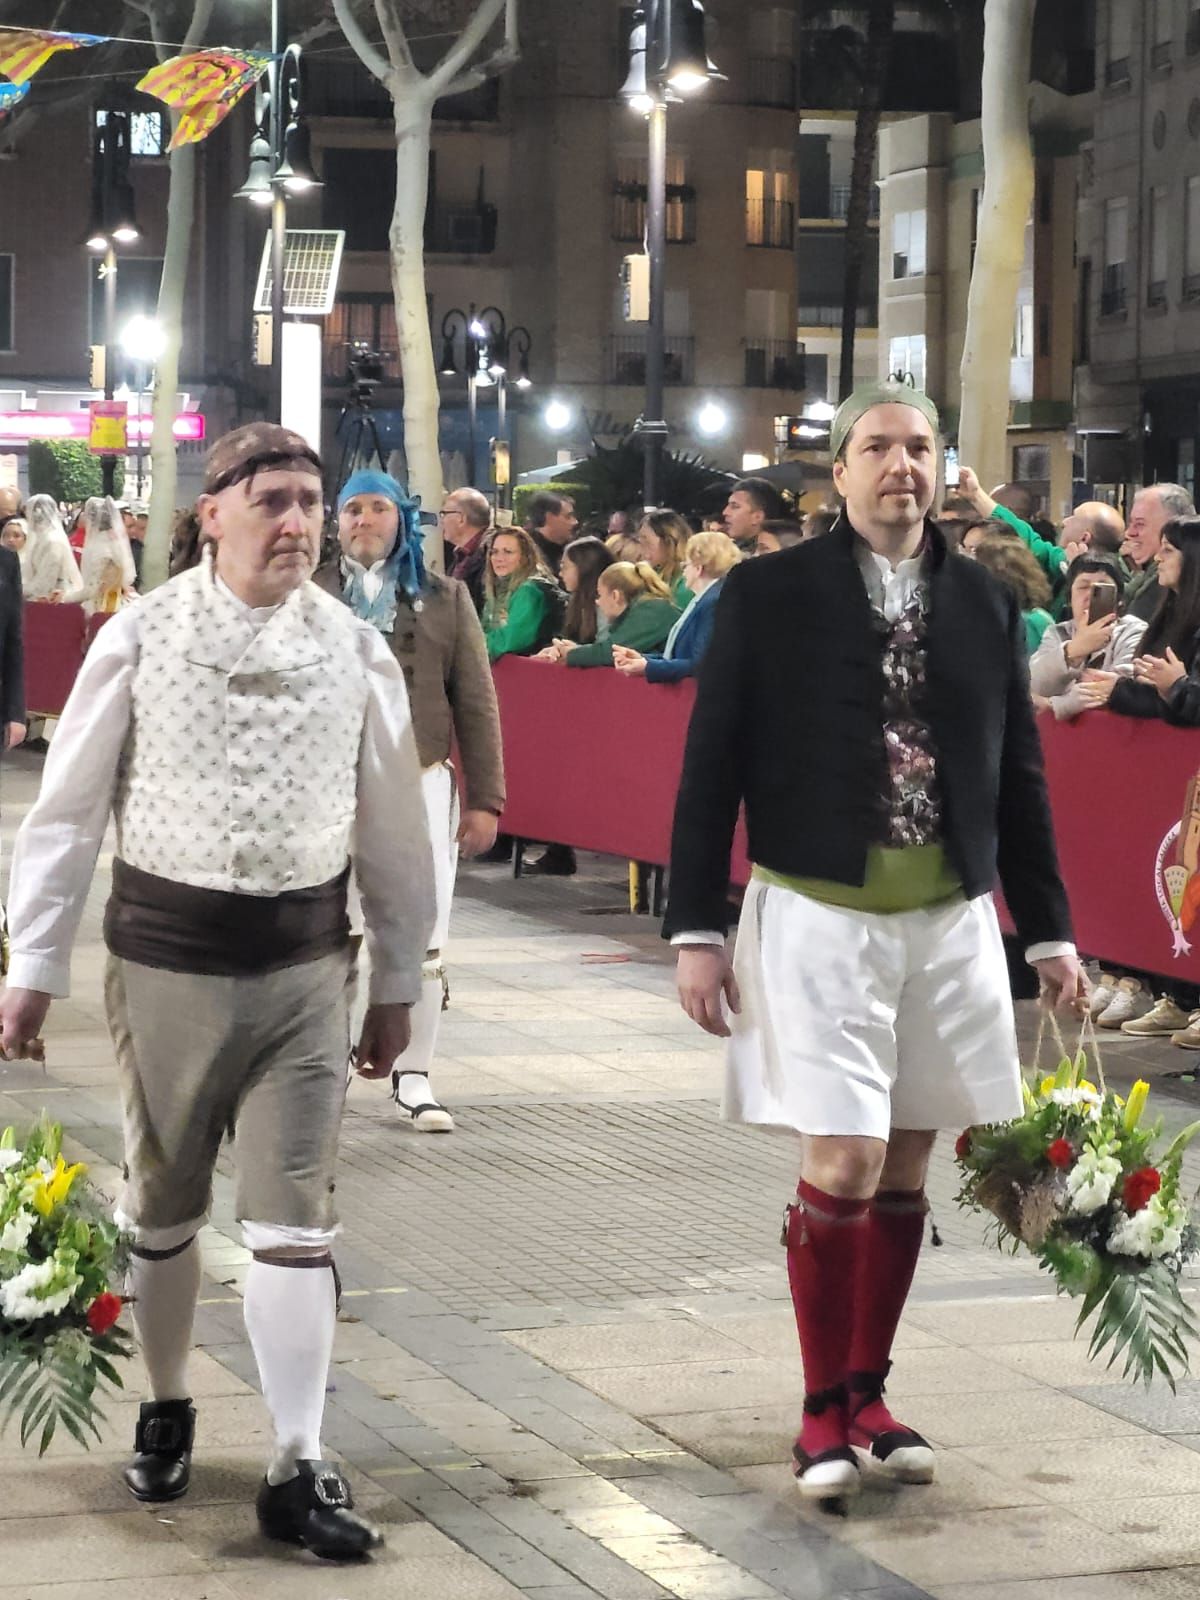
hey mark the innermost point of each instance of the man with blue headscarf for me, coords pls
(431, 627)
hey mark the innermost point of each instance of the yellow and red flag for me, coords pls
(24, 51)
(203, 88)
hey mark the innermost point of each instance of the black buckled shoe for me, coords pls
(315, 1509)
(163, 1464)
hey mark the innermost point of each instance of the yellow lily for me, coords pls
(51, 1189)
(1047, 1086)
(1136, 1104)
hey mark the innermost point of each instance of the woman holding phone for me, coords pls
(1166, 672)
(1096, 637)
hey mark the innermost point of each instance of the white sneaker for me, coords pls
(1103, 990)
(1129, 1000)
(1164, 1017)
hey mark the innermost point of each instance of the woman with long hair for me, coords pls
(49, 570)
(1166, 676)
(663, 536)
(638, 608)
(1017, 568)
(522, 604)
(106, 566)
(583, 561)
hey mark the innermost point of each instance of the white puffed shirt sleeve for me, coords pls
(393, 859)
(56, 848)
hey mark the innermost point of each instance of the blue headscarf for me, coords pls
(404, 567)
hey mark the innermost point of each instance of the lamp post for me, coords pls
(142, 341)
(280, 164)
(113, 222)
(490, 347)
(667, 59)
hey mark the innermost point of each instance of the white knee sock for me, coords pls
(164, 1303)
(425, 1019)
(290, 1315)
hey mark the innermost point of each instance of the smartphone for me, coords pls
(951, 467)
(1103, 600)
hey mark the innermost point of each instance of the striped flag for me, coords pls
(203, 88)
(24, 51)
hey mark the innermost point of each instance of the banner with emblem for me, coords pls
(203, 88)
(25, 51)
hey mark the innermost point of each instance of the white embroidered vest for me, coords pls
(240, 770)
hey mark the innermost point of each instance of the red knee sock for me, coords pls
(886, 1265)
(826, 1235)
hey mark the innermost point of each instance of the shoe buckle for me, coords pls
(331, 1488)
(159, 1436)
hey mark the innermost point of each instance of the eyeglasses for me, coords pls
(449, 511)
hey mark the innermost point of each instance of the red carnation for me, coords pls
(1061, 1153)
(1139, 1186)
(103, 1312)
(962, 1145)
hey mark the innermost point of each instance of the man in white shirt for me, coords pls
(251, 739)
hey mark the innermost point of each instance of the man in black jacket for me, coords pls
(12, 659)
(866, 696)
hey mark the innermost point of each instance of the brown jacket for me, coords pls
(442, 652)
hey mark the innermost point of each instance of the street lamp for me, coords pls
(113, 221)
(558, 416)
(712, 419)
(489, 348)
(142, 341)
(666, 49)
(280, 165)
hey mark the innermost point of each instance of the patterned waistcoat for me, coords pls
(913, 804)
(240, 768)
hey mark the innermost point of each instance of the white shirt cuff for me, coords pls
(393, 986)
(42, 973)
(1047, 951)
(705, 936)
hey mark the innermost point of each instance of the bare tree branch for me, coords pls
(456, 59)
(375, 62)
(394, 36)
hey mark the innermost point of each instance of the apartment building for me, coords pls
(1139, 248)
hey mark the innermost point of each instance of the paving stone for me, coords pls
(1150, 1408)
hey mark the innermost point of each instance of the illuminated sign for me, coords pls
(18, 427)
(106, 429)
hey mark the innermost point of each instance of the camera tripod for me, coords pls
(359, 433)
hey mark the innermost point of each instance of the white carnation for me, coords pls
(10, 1158)
(20, 1299)
(1156, 1230)
(15, 1233)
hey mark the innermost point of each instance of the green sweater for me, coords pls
(1036, 622)
(681, 594)
(1052, 557)
(898, 879)
(643, 627)
(518, 633)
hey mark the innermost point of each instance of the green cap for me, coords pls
(890, 392)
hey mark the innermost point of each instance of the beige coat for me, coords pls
(443, 655)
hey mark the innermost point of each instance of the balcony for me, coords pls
(1191, 41)
(1117, 74)
(625, 360)
(774, 364)
(839, 202)
(1156, 294)
(1191, 286)
(830, 316)
(629, 213)
(1112, 290)
(770, 81)
(771, 224)
(335, 360)
(1160, 55)
(460, 230)
(344, 89)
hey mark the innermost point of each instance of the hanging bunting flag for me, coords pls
(11, 95)
(203, 88)
(24, 51)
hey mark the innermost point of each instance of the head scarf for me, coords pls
(889, 393)
(105, 547)
(404, 567)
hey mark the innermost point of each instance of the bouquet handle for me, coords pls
(1089, 1042)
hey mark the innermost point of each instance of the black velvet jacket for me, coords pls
(789, 721)
(12, 658)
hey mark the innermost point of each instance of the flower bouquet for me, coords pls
(1080, 1181)
(59, 1254)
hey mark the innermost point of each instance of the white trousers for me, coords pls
(856, 1023)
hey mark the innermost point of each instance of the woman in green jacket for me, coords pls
(521, 600)
(663, 537)
(640, 615)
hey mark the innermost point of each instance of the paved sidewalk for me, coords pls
(566, 1364)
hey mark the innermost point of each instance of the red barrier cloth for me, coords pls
(54, 645)
(593, 759)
